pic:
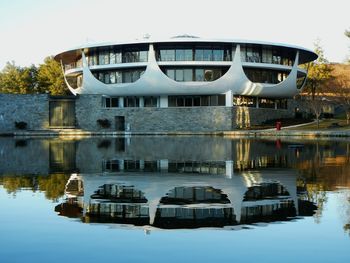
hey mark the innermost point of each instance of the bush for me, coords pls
(21, 125)
(104, 123)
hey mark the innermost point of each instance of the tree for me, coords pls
(14, 79)
(50, 77)
(319, 75)
(341, 87)
(347, 33)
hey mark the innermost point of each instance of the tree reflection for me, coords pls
(53, 185)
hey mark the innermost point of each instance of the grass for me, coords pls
(325, 124)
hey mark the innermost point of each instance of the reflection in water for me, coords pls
(179, 182)
(143, 200)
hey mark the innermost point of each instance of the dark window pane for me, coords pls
(114, 102)
(172, 101)
(179, 101)
(188, 102)
(204, 100)
(196, 101)
(221, 100)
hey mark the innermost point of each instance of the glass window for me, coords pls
(180, 54)
(107, 79)
(217, 73)
(171, 73)
(221, 100)
(167, 55)
(213, 100)
(127, 77)
(112, 57)
(131, 102)
(198, 55)
(179, 101)
(114, 102)
(101, 77)
(204, 100)
(150, 101)
(218, 55)
(207, 54)
(135, 75)
(101, 59)
(179, 75)
(143, 56)
(188, 55)
(199, 75)
(118, 57)
(244, 101)
(112, 77)
(172, 101)
(118, 77)
(197, 101)
(208, 75)
(188, 101)
(243, 53)
(230, 53)
(266, 103)
(281, 103)
(107, 102)
(188, 75)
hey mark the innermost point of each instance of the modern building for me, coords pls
(187, 71)
(184, 83)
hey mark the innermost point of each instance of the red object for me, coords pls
(278, 126)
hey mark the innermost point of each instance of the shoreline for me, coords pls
(234, 133)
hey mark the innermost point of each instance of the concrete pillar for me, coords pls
(228, 97)
(163, 102)
(142, 102)
(121, 102)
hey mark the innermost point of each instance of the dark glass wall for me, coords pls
(194, 74)
(265, 75)
(119, 76)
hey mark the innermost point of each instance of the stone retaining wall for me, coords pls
(34, 110)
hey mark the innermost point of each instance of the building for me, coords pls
(183, 84)
(187, 71)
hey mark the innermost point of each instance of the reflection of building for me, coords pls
(175, 200)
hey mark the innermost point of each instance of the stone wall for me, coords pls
(89, 110)
(32, 109)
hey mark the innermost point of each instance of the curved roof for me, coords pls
(306, 55)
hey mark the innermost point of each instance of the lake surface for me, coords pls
(174, 199)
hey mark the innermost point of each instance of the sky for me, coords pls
(31, 30)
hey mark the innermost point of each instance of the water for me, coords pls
(171, 199)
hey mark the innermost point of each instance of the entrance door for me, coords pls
(119, 123)
(62, 113)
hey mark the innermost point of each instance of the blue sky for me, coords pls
(33, 29)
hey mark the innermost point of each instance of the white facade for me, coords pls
(205, 67)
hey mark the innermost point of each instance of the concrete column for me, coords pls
(163, 102)
(228, 97)
(121, 102)
(257, 102)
